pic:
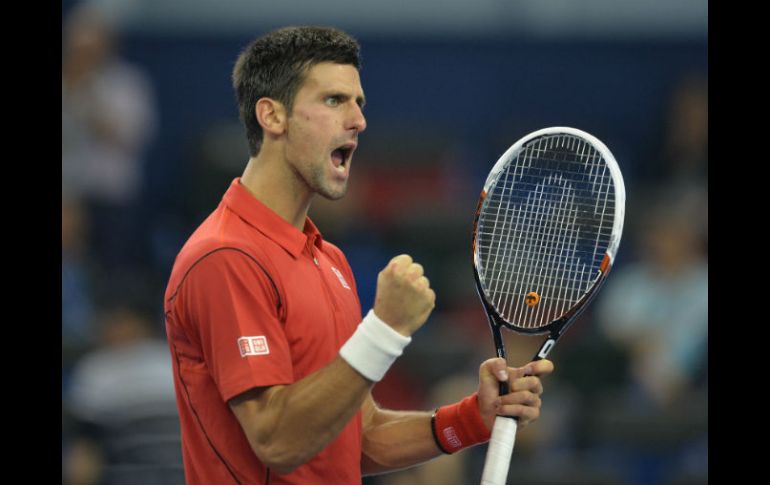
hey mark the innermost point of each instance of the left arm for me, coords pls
(394, 440)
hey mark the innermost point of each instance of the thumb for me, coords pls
(518, 372)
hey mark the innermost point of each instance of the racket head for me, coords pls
(547, 229)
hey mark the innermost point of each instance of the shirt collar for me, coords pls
(262, 218)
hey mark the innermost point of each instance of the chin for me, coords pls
(333, 194)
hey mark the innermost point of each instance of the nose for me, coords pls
(357, 120)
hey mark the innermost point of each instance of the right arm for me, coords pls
(286, 425)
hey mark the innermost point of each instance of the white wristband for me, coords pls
(373, 347)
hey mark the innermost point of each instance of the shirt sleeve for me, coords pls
(234, 306)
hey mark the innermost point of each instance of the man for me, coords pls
(273, 363)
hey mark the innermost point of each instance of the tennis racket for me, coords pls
(545, 235)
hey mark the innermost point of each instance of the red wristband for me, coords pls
(459, 425)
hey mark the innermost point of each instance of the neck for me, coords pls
(269, 179)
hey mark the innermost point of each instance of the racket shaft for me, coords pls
(499, 452)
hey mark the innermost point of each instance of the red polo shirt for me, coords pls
(253, 302)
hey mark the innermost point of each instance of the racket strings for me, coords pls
(544, 230)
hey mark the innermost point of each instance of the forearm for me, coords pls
(396, 440)
(297, 421)
(400, 439)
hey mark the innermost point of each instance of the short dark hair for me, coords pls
(275, 66)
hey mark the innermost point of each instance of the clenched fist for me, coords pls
(404, 298)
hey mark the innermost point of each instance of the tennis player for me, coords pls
(273, 362)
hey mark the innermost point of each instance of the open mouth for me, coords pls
(341, 156)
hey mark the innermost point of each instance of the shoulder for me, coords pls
(215, 251)
(211, 276)
(222, 234)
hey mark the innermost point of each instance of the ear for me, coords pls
(271, 116)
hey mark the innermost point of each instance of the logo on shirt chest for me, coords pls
(253, 346)
(341, 278)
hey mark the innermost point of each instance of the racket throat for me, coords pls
(545, 349)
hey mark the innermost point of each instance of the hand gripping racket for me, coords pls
(545, 235)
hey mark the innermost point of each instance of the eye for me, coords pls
(332, 101)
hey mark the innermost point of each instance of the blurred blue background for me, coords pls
(151, 140)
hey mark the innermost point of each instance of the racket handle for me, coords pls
(499, 451)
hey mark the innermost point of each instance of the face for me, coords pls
(323, 127)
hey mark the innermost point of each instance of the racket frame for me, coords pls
(503, 436)
(556, 328)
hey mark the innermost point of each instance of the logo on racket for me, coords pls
(532, 299)
(547, 346)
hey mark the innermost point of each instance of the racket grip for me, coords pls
(499, 451)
